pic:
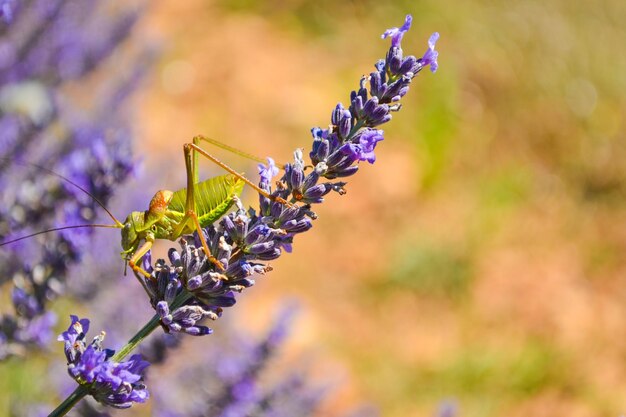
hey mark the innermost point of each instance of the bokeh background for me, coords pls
(481, 258)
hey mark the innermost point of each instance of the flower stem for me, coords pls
(148, 328)
(137, 339)
(359, 124)
(69, 402)
(145, 331)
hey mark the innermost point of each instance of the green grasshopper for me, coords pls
(171, 215)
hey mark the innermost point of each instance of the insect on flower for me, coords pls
(171, 215)
(244, 237)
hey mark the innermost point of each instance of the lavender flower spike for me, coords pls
(117, 384)
(245, 240)
(397, 33)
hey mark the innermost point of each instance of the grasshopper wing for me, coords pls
(213, 198)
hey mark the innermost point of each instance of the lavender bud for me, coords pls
(259, 233)
(394, 60)
(376, 89)
(239, 270)
(315, 194)
(260, 248)
(408, 64)
(311, 179)
(163, 310)
(337, 114)
(297, 226)
(321, 150)
(296, 173)
(344, 125)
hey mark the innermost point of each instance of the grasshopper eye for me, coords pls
(153, 228)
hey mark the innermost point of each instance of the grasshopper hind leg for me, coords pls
(191, 151)
(217, 143)
(198, 150)
(190, 205)
(205, 246)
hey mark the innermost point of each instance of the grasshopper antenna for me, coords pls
(108, 226)
(118, 225)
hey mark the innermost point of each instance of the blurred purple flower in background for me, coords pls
(47, 48)
(236, 374)
(237, 377)
(6, 10)
(448, 408)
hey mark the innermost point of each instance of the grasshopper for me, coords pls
(171, 215)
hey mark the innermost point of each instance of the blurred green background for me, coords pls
(481, 258)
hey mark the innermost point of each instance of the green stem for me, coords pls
(69, 402)
(145, 331)
(355, 129)
(137, 338)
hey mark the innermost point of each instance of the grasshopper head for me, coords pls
(140, 225)
(133, 232)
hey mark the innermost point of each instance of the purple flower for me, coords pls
(127, 372)
(117, 384)
(6, 10)
(268, 172)
(367, 143)
(352, 136)
(74, 334)
(37, 331)
(89, 365)
(184, 319)
(25, 304)
(397, 33)
(430, 57)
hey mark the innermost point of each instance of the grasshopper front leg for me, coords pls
(132, 262)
